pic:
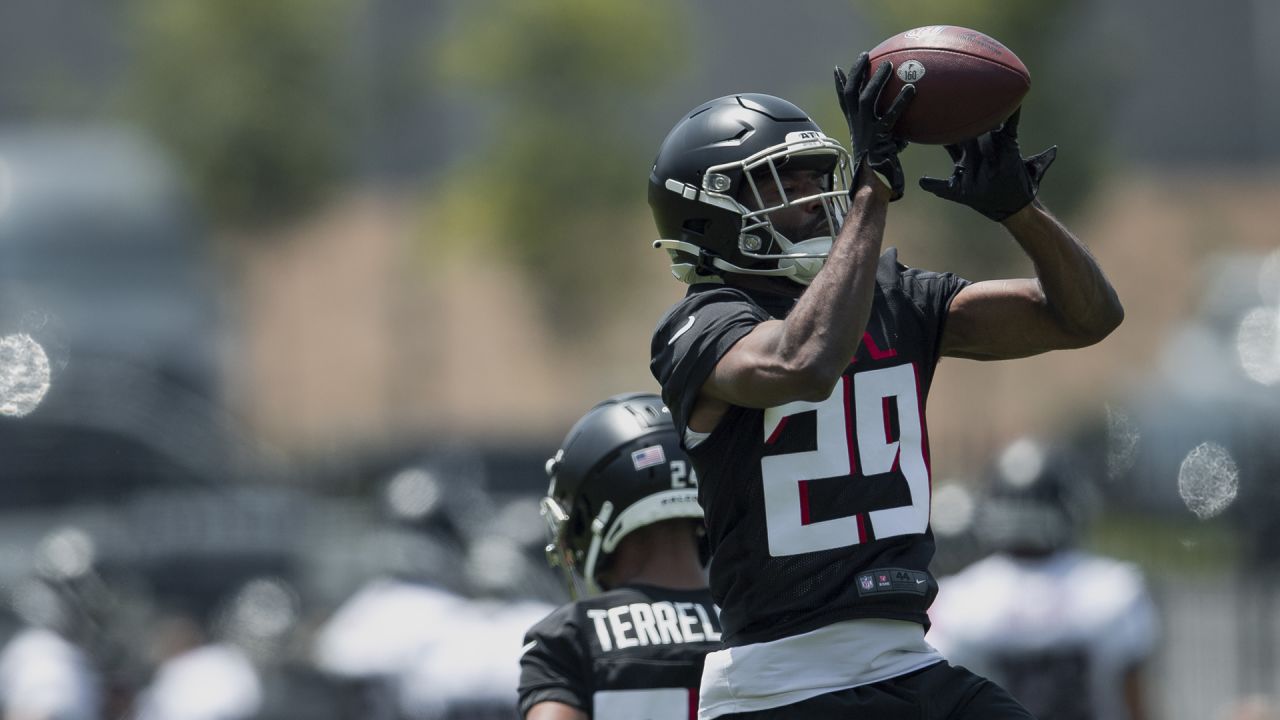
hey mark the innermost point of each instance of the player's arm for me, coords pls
(555, 683)
(1069, 304)
(551, 710)
(803, 356)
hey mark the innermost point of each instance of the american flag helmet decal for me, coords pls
(648, 457)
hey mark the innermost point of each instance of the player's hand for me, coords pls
(991, 176)
(874, 144)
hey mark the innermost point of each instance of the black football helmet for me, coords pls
(1038, 500)
(704, 189)
(620, 468)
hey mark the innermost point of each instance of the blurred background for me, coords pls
(297, 296)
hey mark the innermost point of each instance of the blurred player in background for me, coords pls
(46, 672)
(1066, 631)
(198, 676)
(417, 641)
(796, 370)
(625, 525)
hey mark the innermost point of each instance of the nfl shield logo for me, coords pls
(866, 582)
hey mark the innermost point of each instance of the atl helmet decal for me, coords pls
(802, 139)
(911, 71)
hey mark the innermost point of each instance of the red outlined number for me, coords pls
(868, 454)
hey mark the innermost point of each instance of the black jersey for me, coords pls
(816, 512)
(633, 652)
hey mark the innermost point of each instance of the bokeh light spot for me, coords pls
(265, 608)
(953, 509)
(1208, 480)
(494, 564)
(413, 494)
(1258, 345)
(24, 374)
(1021, 462)
(65, 554)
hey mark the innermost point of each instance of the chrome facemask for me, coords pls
(806, 256)
(758, 239)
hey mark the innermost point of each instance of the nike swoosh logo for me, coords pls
(528, 646)
(919, 581)
(681, 331)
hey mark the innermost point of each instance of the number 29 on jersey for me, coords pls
(854, 443)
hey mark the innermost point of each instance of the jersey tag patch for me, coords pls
(892, 580)
(648, 457)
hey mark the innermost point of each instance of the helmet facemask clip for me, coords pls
(559, 554)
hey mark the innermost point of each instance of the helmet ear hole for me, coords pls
(696, 226)
(580, 517)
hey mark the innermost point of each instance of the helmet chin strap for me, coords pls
(593, 550)
(805, 258)
(799, 269)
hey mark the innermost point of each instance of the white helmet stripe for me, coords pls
(666, 505)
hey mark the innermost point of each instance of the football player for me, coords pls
(1067, 632)
(625, 527)
(796, 370)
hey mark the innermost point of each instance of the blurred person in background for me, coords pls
(198, 676)
(46, 670)
(797, 368)
(469, 673)
(1066, 631)
(376, 634)
(434, 635)
(625, 527)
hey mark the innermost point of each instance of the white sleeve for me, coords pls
(1134, 630)
(43, 675)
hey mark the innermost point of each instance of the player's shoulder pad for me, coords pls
(700, 296)
(889, 270)
(561, 621)
(676, 322)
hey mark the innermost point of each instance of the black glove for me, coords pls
(991, 176)
(873, 141)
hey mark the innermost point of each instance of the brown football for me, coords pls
(966, 82)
